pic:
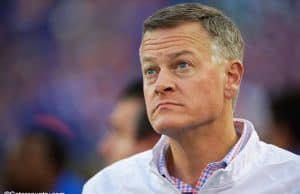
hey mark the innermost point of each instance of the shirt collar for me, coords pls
(243, 130)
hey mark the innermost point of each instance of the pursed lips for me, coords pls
(166, 103)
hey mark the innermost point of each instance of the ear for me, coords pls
(234, 74)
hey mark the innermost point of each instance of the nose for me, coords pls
(164, 82)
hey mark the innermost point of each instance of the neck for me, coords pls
(190, 152)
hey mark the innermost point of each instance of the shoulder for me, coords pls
(117, 174)
(268, 168)
(278, 164)
(264, 154)
(275, 155)
(276, 170)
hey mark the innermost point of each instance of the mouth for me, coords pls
(166, 104)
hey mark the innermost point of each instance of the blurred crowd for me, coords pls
(64, 64)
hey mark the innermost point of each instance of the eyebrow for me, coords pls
(172, 55)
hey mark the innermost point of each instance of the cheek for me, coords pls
(207, 94)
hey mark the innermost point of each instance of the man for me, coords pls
(39, 162)
(129, 129)
(191, 58)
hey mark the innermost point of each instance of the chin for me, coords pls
(168, 126)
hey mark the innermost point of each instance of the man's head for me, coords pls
(191, 60)
(36, 162)
(226, 38)
(125, 127)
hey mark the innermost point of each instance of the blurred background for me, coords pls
(63, 63)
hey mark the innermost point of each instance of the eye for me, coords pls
(149, 72)
(182, 66)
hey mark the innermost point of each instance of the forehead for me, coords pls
(190, 35)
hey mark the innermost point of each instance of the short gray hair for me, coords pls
(226, 37)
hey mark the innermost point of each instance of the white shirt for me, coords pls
(258, 168)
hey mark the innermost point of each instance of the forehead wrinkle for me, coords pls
(163, 41)
(154, 44)
(195, 34)
(169, 41)
(160, 49)
(165, 47)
